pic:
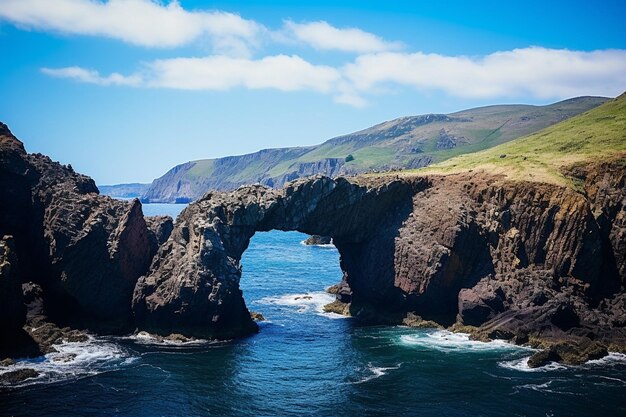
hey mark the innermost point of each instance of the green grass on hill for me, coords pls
(591, 136)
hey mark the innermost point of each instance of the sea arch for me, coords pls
(193, 284)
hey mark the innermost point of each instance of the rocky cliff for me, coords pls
(84, 250)
(518, 260)
(530, 261)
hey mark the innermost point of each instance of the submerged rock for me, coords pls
(413, 320)
(571, 352)
(17, 376)
(257, 316)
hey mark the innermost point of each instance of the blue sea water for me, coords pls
(163, 209)
(305, 362)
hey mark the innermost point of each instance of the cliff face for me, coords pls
(86, 251)
(517, 259)
(134, 190)
(193, 285)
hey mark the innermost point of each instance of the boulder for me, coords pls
(318, 240)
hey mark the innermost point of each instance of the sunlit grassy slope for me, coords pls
(396, 144)
(592, 136)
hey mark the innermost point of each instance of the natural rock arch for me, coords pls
(193, 286)
(515, 258)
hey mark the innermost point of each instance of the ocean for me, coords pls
(305, 362)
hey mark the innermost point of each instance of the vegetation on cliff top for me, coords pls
(596, 135)
(407, 142)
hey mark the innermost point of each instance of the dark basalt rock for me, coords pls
(84, 252)
(514, 260)
(193, 284)
(318, 240)
(517, 260)
(342, 291)
(17, 376)
(12, 309)
(573, 352)
(159, 230)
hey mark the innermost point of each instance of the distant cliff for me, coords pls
(134, 190)
(407, 142)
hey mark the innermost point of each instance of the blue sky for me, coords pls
(126, 89)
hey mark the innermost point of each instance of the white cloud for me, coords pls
(280, 72)
(93, 77)
(140, 22)
(528, 72)
(322, 36)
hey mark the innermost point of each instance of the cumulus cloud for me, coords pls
(139, 22)
(279, 72)
(529, 72)
(93, 77)
(322, 36)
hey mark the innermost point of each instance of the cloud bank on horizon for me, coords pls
(372, 65)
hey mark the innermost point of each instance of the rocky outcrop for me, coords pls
(193, 284)
(83, 251)
(530, 262)
(318, 240)
(514, 260)
(12, 309)
(159, 230)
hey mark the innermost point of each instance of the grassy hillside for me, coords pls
(407, 142)
(592, 136)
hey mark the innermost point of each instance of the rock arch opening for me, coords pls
(282, 276)
(194, 285)
(448, 249)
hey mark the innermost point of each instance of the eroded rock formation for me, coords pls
(84, 250)
(193, 285)
(531, 262)
(517, 260)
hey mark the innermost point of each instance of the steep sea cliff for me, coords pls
(538, 263)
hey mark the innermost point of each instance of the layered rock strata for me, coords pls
(514, 260)
(531, 262)
(84, 250)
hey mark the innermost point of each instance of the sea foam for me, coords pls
(145, 338)
(312, 302)
(376, 372)
(74, 360)
(521, 364)
(447, 341)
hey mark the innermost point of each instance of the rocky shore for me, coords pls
(529, 262)
(533, 263)
(68, 253)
